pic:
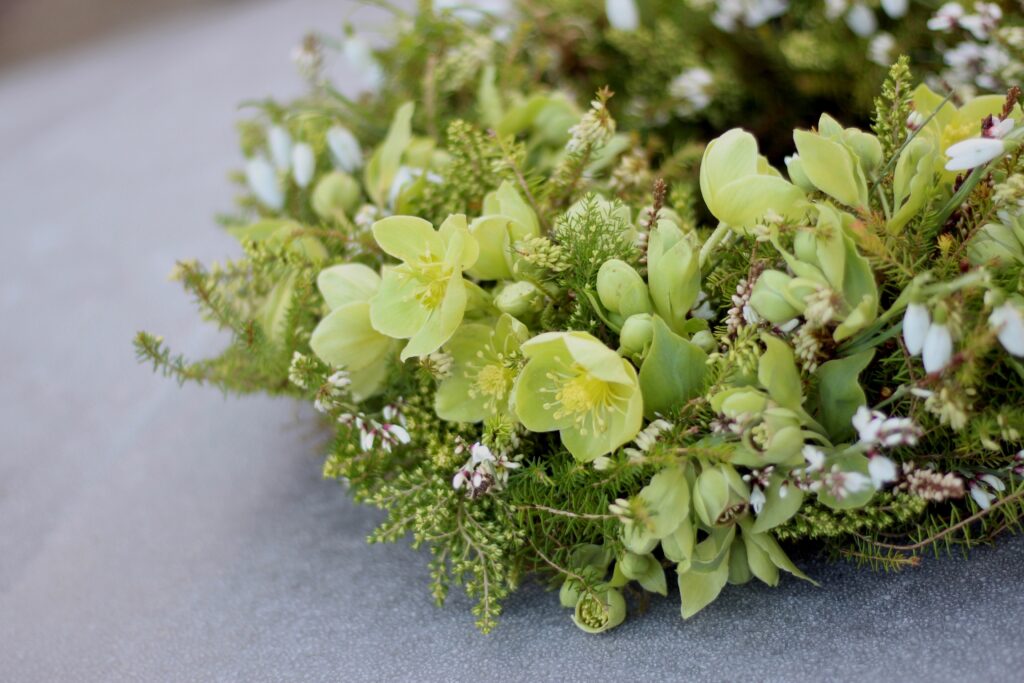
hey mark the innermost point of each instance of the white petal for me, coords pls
(855, 481)
(1009, 322)
(882, 471)
(280, 144)
(364, 65)
(303, 164)
(481, 453)
(973, 152)
(366, 440)
(622, 14)
(916, 322)
(938, 348)
(345, 149)
(459, 479)
(982, 497)
(895, 8)
(757, 500)
(262, 180)
(814, 456)
(861, 20)
(993, 481)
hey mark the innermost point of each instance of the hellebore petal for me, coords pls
(347, 283)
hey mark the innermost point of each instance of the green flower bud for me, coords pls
(711, 495)
(597, 612)
(769, 299)
(336, 194)
(637, 333)
(705, 340)
(621, 289)
(519, 299)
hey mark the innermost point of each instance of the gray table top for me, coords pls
(149, 532)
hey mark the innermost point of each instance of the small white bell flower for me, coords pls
(280, 143)
(938, 348)
(861, 20)
(262, 180)
(345, 149)
(895, 8)
(882, 471)
(757, 500)
(303, 164)
(1008, 322)
(364, 65)
(973, 152)
(623, 15)
(916, 322)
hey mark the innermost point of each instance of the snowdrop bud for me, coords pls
(916, 322)
(1008, 322)
(973, 152)
(882, 471)
(280, 144)
(262, 180)
(345, 149)
(303, 164)
(895, 8)
(861, 20)
(938, 348)
(623, 15)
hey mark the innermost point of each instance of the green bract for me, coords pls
(485, 361)
(740, 187)
(424, 298)
(576, 385)
(345, 338)
(506, 218)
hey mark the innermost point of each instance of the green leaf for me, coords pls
(759, 561)
(777, 373)
(673, 371)
(667, 500)
(383, 165)
(697, 590)
(739, 569)
(840, 393)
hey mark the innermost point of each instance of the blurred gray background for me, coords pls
(156, 533)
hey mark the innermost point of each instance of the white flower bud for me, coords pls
(1008, 322)
(262, 180)
(938, 348)
(280, 144)
(623, 15)
(345, 149)
(916, 322)
(303, 164)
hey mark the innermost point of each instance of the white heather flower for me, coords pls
(366, 436)
(880, 49)
(938, 348)
(861, 20)
(916, 322)
(480, 453)
(623, 15)
(915, 120)
(280, 144)
(973, 152)
(868, 424)
(730, 14)
(946, 18)
(364, 65)
(262, 179)
(984, 22)
(999, 128)
(757, 499)
(344, 149)
(1008, 323)
(692, 89)
(895, 8)
(303, 164)
(882, 471)
(815, 458)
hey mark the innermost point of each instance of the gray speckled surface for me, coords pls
(155, 533)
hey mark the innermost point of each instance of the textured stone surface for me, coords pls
(149, 532)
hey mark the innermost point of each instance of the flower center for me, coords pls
(433, 277)
(493, 380)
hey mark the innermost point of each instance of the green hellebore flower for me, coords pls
(519, 299)
(345, 338)
(769, 297)
(950, 124)
(600, 611)
(485, 360)
(836, 160)
(506, 218)
(575, 384)
(424, 298)
(740, 187)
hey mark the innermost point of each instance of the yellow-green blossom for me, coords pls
(345, 338)
(485, 360)
(575, 384)
(424, 298)
(506, 218)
